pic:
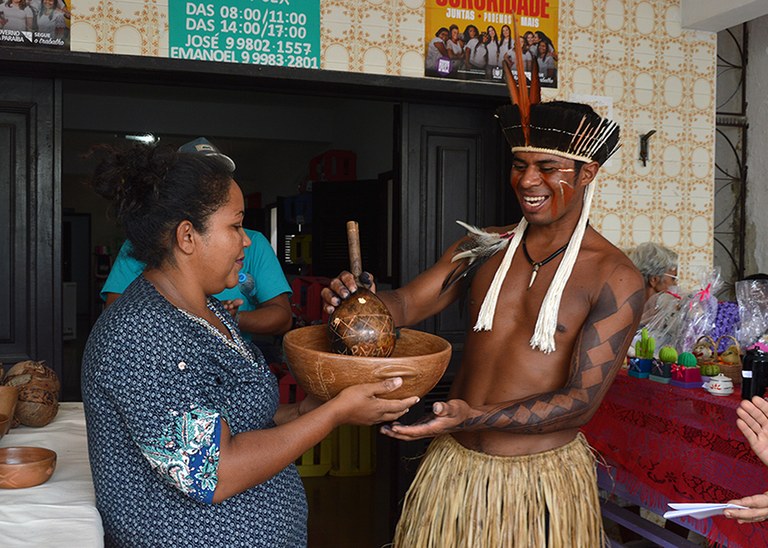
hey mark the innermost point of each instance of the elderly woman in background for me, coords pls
(657, 264)
(188, 443)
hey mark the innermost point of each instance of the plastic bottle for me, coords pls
(754, 373)
(247, 286)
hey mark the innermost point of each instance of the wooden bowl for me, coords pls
(5, 425)
(8, 397)
(419, 358)
(25, 466)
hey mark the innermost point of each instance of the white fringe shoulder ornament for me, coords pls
(482, 245)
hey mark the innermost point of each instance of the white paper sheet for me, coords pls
(697, 510)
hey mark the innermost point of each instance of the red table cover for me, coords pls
(667, 444)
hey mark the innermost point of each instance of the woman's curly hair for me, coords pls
(152, 190)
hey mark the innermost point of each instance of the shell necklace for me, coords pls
(539, 264)
(236, 343)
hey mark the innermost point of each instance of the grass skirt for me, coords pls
(463, 498)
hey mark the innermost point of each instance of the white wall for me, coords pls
(757, 147)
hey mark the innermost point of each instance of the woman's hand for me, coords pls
(342, 287)
(756, 509)
(361, 404)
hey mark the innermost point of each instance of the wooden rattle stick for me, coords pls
(353, 242)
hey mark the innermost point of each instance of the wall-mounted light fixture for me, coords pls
(644, 146)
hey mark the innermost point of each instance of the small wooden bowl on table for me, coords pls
(22, 467)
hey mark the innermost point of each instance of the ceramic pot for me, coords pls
(25, 466)
(719, 385)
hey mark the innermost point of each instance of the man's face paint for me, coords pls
(543, 183)
(566, 188)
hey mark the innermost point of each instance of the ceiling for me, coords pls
(717, 15)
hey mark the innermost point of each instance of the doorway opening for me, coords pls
(293, 153)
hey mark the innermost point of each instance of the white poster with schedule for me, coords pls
(282, 33)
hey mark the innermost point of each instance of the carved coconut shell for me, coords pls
(362, 326)
(33, 373)
(36, 407)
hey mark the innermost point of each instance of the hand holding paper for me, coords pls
(698, 510)
(756, 509)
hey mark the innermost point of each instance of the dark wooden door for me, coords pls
(451, 169)
(30, 272)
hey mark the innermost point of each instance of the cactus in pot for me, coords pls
(640, 365)
(685, 373)
(662, 367)
(686, 359)
(646, 346)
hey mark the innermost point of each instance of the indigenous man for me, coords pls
(554, 307)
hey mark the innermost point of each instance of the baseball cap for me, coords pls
(201, 145)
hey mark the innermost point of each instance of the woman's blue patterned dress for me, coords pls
(156, 386)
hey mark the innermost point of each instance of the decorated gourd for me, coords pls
(38, 387)
(35, 406)
(32, 372)
(361, 325)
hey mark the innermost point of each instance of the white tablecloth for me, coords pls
(62, 511)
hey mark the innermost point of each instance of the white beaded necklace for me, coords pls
(236, 343)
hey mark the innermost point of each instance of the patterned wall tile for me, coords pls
(658, 75)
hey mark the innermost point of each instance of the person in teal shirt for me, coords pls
(260, 300)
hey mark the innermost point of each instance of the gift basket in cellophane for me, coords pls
(684, 320)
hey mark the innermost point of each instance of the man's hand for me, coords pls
(342, 287)
(232, 306)
(757, 508)
(446, 417)
(753, 423)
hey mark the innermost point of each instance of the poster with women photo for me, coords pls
(469, 39)
(35, 23)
